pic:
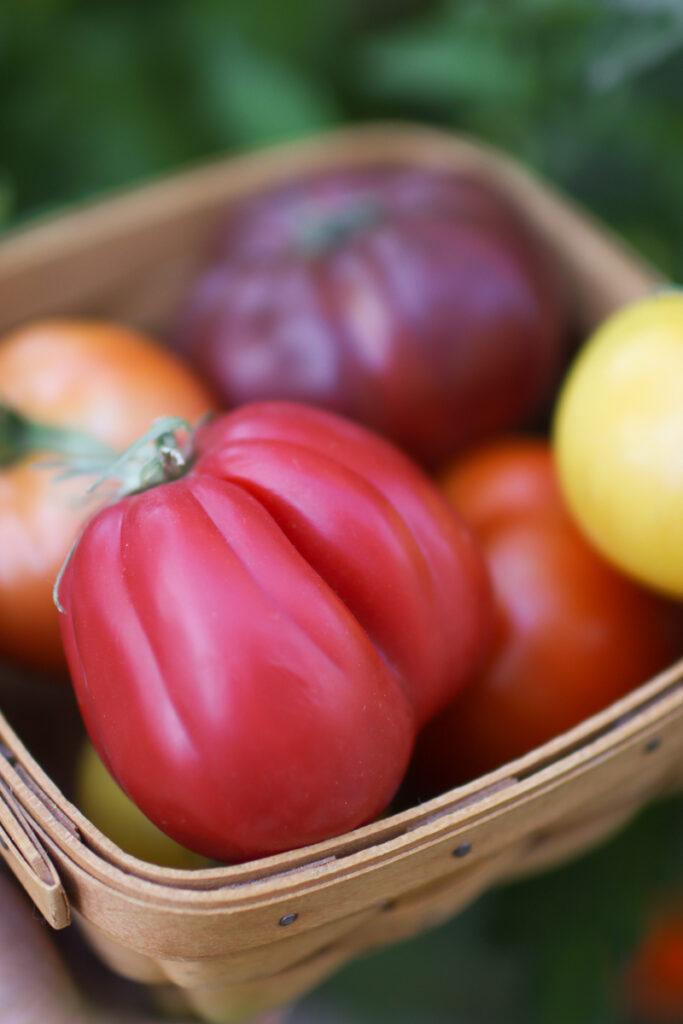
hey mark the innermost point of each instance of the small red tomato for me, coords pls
(254, 645)
(572, 633)
(414, 301)
(655, 980)
(505, 478)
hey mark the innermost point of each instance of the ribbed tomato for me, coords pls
(415, 301)
(255, 645)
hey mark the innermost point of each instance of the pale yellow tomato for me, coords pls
(106, 805)
(619, 440)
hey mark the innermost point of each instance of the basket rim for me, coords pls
(123, 209)
(159, 187)
(254, 882)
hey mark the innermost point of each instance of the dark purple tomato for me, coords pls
(416, 302)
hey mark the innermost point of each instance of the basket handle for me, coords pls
(25, 854)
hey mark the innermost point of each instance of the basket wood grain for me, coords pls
(239, 939)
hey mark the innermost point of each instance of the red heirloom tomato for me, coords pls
(255, 645)
(414, 301)
(572, 634)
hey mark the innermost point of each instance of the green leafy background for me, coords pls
(97, 95)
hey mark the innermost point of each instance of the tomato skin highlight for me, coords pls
(106, 381)
(572, 634)
(254, 646)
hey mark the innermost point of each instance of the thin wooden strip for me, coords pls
(16, 825)
(29, 863)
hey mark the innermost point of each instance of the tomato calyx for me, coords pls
(21, 436)
(164, 453)
(322, 230)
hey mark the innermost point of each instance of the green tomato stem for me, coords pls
(155, 458)
(21, 437)
(321, 230)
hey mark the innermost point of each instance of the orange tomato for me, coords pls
(104, 381)
(572, 633)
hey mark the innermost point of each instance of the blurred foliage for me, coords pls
(96, 95)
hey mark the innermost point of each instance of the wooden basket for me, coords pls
(235, 940)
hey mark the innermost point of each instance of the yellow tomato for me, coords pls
(619, 440)
(106, 805)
